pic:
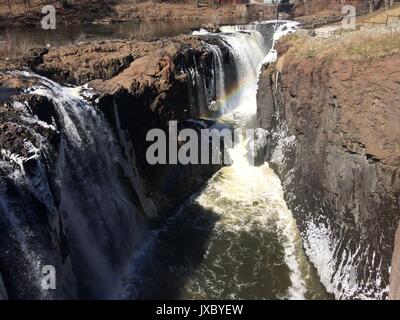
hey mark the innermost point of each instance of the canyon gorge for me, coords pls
(314, 218)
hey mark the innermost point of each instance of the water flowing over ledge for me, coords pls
(246, 242)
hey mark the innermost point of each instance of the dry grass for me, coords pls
(18, 7)
(380, 16)
(357, 45)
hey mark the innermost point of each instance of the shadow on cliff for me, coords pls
(173, 255)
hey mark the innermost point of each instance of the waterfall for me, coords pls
(218, 77)
(218, 93)
(248, 49)
(236, 238)
(102, 212)
(98, 202)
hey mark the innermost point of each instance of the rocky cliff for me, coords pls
(332, 110)
(141, 85)
(77, 192)
(29, 152)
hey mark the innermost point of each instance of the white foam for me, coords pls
(243, 184)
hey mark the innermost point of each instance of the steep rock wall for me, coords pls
(142, 86)
(31, 230)
(334, 140)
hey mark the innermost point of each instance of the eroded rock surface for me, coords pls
(335, 142)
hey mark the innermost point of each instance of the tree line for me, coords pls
(28, 3)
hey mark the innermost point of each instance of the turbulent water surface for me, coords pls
(236, 238)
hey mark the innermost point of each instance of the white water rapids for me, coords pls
(236, 238)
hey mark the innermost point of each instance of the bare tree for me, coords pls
(388, 3)
(306, 6)
(64, 3)
(27, 3)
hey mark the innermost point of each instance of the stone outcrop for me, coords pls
(334, 140)
(149, 84)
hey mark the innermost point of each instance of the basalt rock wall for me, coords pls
(334, 140)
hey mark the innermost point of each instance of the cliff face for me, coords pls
(334, 140)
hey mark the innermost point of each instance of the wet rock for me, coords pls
(138, 86)
(7, 93)
(210, 27)
(30, 151)
(312, 33)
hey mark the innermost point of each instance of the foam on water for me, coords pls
(98, 197)
(253, 248)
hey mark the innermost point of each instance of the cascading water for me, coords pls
(236, 238)
(218, 76)
(98, 202)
